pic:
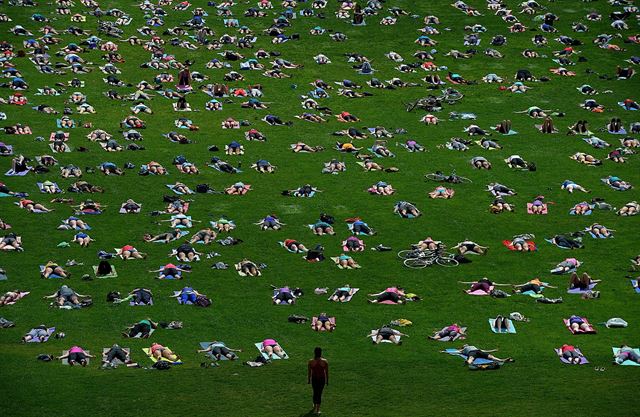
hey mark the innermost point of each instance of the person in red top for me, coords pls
(570, 354)
(318, 377)
(129, 252)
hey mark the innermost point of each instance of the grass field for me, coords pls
(366, 380)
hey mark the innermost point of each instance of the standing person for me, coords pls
(318, 377)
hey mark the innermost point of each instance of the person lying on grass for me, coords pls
(239, 188)
(294, 246)
(303, 147)
(66, 295)
(218, 350)
(568, 265)
(160, 352)
(534, 285)
(626, 353)
(143, 327)
(11, 241)
(130, 252)
(270, 222)
(206, 236)
(52, 267)
(270, 347)
(499, 205)
(630, 209)
(248, 268)
(32, 206)
(40, 333)
(284, 295)
(578, 324)
(342, 294)
(470, 247)
(323, 323)
(76, 355)
(114, 353)
(472, 353)
(394, 294)
(165, 237)
(345, 261)
(10, 297)
(171, 271)
(386, 333)
(186, 253)
(452, 332)
(567, 241)
(582, 282)
(139, 296)
(483, 284)
(571, 186)
(323, 228)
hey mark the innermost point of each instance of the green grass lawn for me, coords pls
(366, 380)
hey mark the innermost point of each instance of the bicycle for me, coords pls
(444, 259)
(453, 178)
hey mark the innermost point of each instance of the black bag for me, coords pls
(202, 301)
(104, 268)
(294, 318)
(202, 188)
(170, 198)
(112, 296)
(161, 365)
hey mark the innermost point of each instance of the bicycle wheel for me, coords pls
(434, 177)
(408, 254)
(448, 262)
(415, 263)
(464, 180)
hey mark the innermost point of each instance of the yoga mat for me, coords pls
(510, 329)
(626, 363)
(147, 352)
(583, 359)
(264, 355)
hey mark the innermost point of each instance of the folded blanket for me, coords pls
(583, 359)
(147, 352)
(510, 329)
(627, 363)
(591, 330)
(274, 357)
